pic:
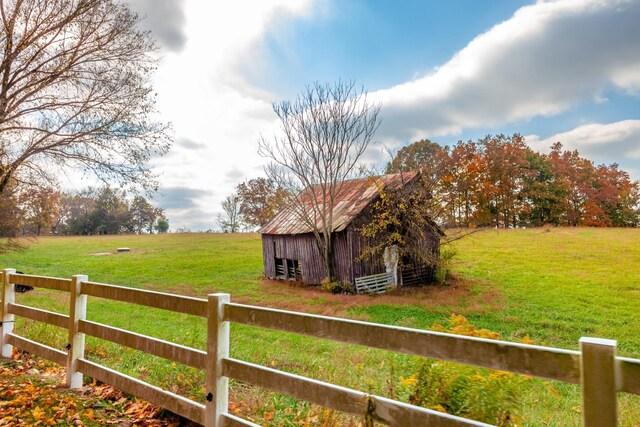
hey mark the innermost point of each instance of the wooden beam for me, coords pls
(50, 353)
(343, 399)
(177, 404)
(180, 304)
(229, 420)
(42, 282)
(55, 319)
(157, 347)
(550, 363)
(629, 374)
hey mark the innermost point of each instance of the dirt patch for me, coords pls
(101, 253)
(294, 296)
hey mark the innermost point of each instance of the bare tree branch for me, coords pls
(75, 91)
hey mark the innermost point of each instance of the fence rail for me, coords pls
(595, 367)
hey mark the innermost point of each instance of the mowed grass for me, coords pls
(554, 286)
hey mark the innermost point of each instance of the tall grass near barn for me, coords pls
(551, 287)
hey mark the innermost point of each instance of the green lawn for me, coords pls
(554, 285)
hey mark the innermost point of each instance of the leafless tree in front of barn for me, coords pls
(75, 91)
(325, 131)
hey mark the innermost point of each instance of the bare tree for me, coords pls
(325, 131)
(75, 91)
(229, 221)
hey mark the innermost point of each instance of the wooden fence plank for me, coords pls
(550, 363)
(54, 283)
(598, 380)
(229, 420)
(50, 353)
(180, 304)
(157, 347)
(630, 374)
(189, 409)
(55, 319)
(343, 399)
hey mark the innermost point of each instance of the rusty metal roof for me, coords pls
(352, 197)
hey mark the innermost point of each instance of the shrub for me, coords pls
(443, 269)
(337, 287)
(480, 394)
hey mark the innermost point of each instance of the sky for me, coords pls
(566, 70)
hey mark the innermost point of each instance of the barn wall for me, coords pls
(299, 246)
(342, 257)
(268, 256)
(303, 248)
(362, 267)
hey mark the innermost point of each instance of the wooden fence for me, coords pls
(595, 366)
(374, 284)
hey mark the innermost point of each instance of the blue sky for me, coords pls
(565, 70)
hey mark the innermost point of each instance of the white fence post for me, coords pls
(75, 345)
(598, 380)
(8, 297)
(217, 398)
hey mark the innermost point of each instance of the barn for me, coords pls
(290, 251)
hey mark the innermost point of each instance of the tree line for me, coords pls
(40, 210)
(496, 181)
(499, 181)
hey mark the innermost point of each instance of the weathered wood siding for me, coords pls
(299, 246)
(303, 247)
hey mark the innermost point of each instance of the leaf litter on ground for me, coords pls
(33, 393)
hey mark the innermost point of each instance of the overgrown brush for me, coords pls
(485, 395)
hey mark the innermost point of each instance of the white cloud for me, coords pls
(601, 142)
(165, 19)
(542, 61)
(217, 115)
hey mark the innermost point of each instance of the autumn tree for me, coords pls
(75, 90)
(424, 156)
(260, 199)
(143, 215)
(404, 216)
(73, 212)
(506, 170)
(462, 184)
(324, 132)
(39, 208)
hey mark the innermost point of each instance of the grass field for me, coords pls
(554, 285)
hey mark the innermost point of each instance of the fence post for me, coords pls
(8, 297)
(217, 389)
(75, 344)
(598, 380)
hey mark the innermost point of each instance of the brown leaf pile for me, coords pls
(32, 393)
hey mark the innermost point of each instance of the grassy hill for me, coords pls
(552, 285)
